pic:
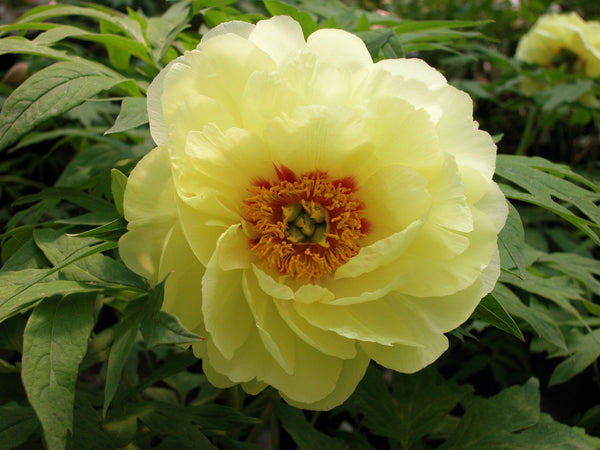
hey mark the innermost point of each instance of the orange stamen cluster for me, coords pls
(304, 226)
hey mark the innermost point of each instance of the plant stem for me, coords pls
(528, 132)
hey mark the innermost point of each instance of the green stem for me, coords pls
(264, 418)
(528, 132)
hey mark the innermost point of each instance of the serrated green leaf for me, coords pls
(17, 424)
(511, 242)
(54, 344)
(585, 350)
(541, 323)
(305, 435)
(561, 289)
(420, 402)
(133, 114)
(490, 310)
(540, 182)
(489, 423)
(50, 92)
(165, 419)
(576, 266)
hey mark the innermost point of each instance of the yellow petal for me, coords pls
(394, 196)
(150, 211)
(374, 321)
(278, 36)
(353, 371)
(340, 48)
(406, 359)
(318, 137)
(276, 336)
(183, 294)
(226, 314)
(327, 342)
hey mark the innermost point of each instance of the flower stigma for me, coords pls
(304, 226)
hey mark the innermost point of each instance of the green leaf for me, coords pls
(54, 344)
(125, 334)
(129, 26)
(11, 334)
(577, 267)
(561, 290)
(549, 434)
(412, 26)
(585, 350)
(304, 434)
(87, 433)
(117, 188)
(375, 40)
(511, 242)
(541, 322)
(21, 290)
(110, 231)
(541, 182)
(488, 423)
(133, 114)
(162, 31)
(65, 252)
(172, 365)
(420, 402)
(490, 310)
(28, 256)
(159, 327)
(307, 23)
(565, 93)
(163, 328)
(169, 420)
(17, 424)
(20, 45)
(48, 93)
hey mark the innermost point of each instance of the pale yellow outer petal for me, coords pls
(352, 372)
(183, 295)
(340, 48)
(407, 359)
(278, 36)
(150, 211)
(226, 314)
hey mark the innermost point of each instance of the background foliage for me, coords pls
(88, 360)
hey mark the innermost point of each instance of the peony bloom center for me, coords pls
(304, 226)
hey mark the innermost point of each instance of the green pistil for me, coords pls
(305, 224)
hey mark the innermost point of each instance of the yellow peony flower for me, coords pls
(565, 41)
(314, 210)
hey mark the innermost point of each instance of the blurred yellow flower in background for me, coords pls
(314, 210)
(565, 41)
